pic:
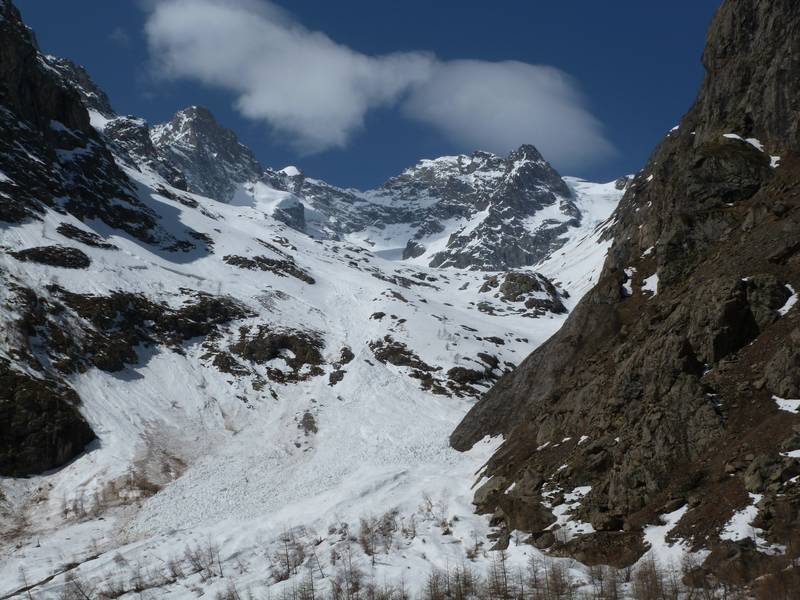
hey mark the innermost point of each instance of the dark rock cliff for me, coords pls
(658, 391)
(211, 158)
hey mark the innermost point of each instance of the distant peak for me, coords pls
(195, 114)
(197, 111)
(526, 152)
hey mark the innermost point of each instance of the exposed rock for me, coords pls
(781, 371)
(670, 386)
(78, 330)
(262, 263)
(210, 157)
(85, 237)
(622, 182)
(292, 213)
(40, 426)
(336, 376)
(465, 375)
(50, 154)
(308, 423)
(533, 291)
(132, 138)
(301, 351)
(78, 79)
(497, 198)
(388, 350)
(55, 256)
(413, 250)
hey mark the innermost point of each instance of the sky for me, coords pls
(354, 91)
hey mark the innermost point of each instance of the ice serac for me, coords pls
(661, 382)
(210, 157)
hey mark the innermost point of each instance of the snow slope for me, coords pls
(188, 453)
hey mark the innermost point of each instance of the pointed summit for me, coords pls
(211, 157)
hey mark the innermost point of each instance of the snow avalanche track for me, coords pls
(240, 463)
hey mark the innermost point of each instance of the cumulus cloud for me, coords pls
(317, 92)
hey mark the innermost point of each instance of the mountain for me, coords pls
(185, 376)
(211, 158)
(478, 211)
(668, 400)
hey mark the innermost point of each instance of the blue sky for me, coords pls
(636, 65)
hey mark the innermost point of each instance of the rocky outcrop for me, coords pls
(50, 155)
(529, 294)
(56, 256)
(40, 426)
(79, 80)
(657, 392)
(210, 157)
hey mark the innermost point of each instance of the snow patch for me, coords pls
(790, 302)
(740, 527)
(627, 287)
(651, 284)
(290, 171)
(792, 406)
(656, 537)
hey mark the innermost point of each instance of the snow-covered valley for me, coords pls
(266, 368)
(188, 452)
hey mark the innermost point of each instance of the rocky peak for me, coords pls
(480, 210)
(132, 142)
(26, 83)
(210, 156)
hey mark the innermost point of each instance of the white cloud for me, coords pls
(498, 106)
(317, 92)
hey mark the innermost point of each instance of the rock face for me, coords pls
(210, 157)
(133, 143)
(52, 158)
(78, 79)
(50, 155)
(658, 391)
(40, 426)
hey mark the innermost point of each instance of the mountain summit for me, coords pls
(211, 158)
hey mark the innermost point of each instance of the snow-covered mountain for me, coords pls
(211, 158)
(199, 395)
(478, 211)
